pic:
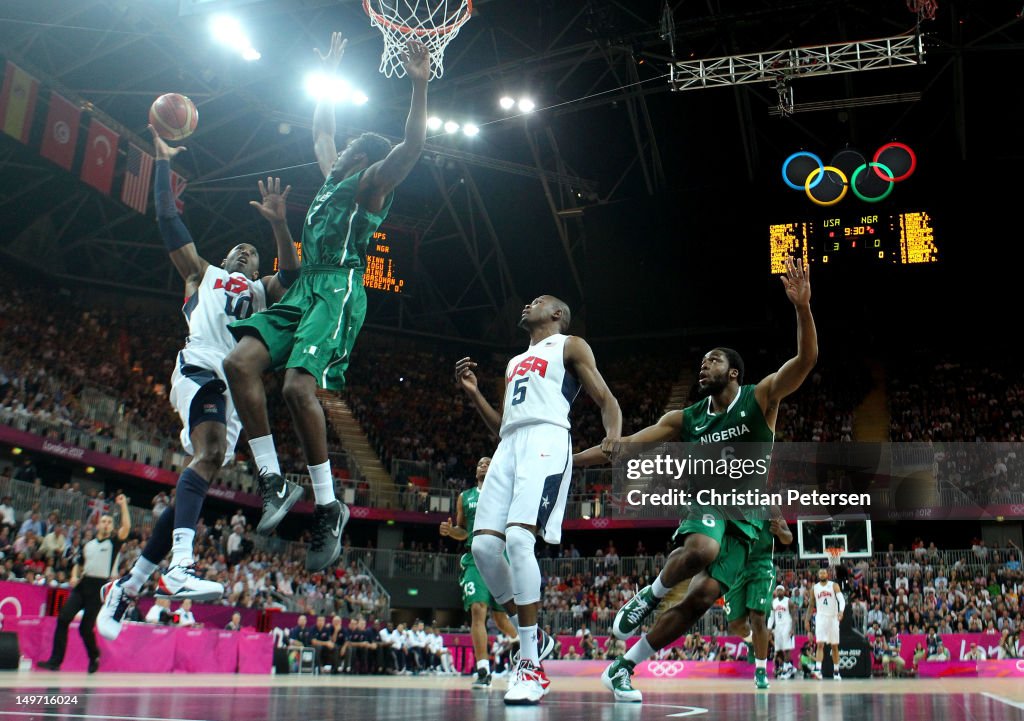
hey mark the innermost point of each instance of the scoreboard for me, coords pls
(386, 259)
(892, 238)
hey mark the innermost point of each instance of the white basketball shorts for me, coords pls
(826, 630)
(200, 395)
(784, 638)
(528, 481)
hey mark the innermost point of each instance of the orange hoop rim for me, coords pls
(405, 29)
(834, 554)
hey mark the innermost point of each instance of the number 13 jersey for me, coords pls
(221, 298)
(539, 389)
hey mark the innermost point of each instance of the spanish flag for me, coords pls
(18, 102)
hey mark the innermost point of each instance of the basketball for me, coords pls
(174, 116)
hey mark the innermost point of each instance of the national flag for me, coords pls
(178, 184)
(137, 172)
(61, 135)
(18, 102)
(100, 156)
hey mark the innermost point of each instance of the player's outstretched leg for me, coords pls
(697, 553)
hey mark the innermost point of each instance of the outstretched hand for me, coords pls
(416, 60)
(797, 282)
(465, 376)
(163, 150)
(273, 206)
(335, 54)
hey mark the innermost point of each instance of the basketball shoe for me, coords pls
(482, 680)
(328, 524)
(527, 686)
(545, 645)
(761, 678)
(181, 582)
(116, 599)
(617, 678)
(279, 496)
(630, 616)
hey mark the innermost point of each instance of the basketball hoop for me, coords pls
(435, 23)
(834, 556)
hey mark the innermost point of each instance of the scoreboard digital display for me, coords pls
(382, 267)
(893, 238)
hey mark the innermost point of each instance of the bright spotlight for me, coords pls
(228, 31)
(328, 87)
(526, 105)
(434, 122)
(359, 98)
(470, 130)
(507, 103)
(251, 54)
(451, 127)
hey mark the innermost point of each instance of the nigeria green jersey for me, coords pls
(470, 497)
(741, 422)
(760, 563)
(338, 231)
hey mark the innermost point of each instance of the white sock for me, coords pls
(264, 455)
(323, 483)
(485, 664)
(181, 550)
(528, 644)
(659, 589)
(641, 651)
(817, 665)
(141, 572)
(761, 663)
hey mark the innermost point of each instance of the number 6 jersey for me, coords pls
(540, 388)
(221, 298)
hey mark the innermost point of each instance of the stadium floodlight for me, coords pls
(507, 103)
(451, 127)
(320, 86)
(526, 105)
(228, 31)
(434, 122)
(360, 98)
(471, 130)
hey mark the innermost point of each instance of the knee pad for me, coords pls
(488, 552)
(520, 543)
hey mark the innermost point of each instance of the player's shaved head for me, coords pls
(557, 304)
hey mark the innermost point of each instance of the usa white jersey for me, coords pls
(780, 610)
(825, 601)
(221, 298)
(540, 388)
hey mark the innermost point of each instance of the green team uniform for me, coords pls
(753, 589)
(741, 422)
(474, 590)
(314, 326)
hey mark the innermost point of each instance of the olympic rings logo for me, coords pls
(1020, 665)
(805, 171)
(847, 662)
(665, 669)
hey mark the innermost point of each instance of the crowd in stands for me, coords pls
(40, 547)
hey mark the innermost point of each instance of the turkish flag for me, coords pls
(61, 134)
(100, 156)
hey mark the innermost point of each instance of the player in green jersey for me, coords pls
(475, 597)
(708, 541)
(311, 331)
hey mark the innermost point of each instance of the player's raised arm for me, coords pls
(273, 208)
(126, 516)
(323, 116)
(384, 176)
(778, 385)
(668, 428)
(175, 235)
(466, 378)
(580, 357)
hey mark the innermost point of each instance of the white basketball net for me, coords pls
(835, 555)
(435, 23)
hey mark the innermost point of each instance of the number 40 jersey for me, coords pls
(221, 298)
(540, 389)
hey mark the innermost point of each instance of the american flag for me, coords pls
(178, 184)
(137, 174)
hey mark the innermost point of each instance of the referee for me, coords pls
(90, 572)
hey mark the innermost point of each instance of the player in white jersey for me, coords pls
(781, 621)
(827, 599)
(527, 483)
(214, 297)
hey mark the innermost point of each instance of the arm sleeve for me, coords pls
(841, 600)
(172, 231)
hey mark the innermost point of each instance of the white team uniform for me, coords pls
(528, 480)
(826, 623)
(782, 623)
(221, 298)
